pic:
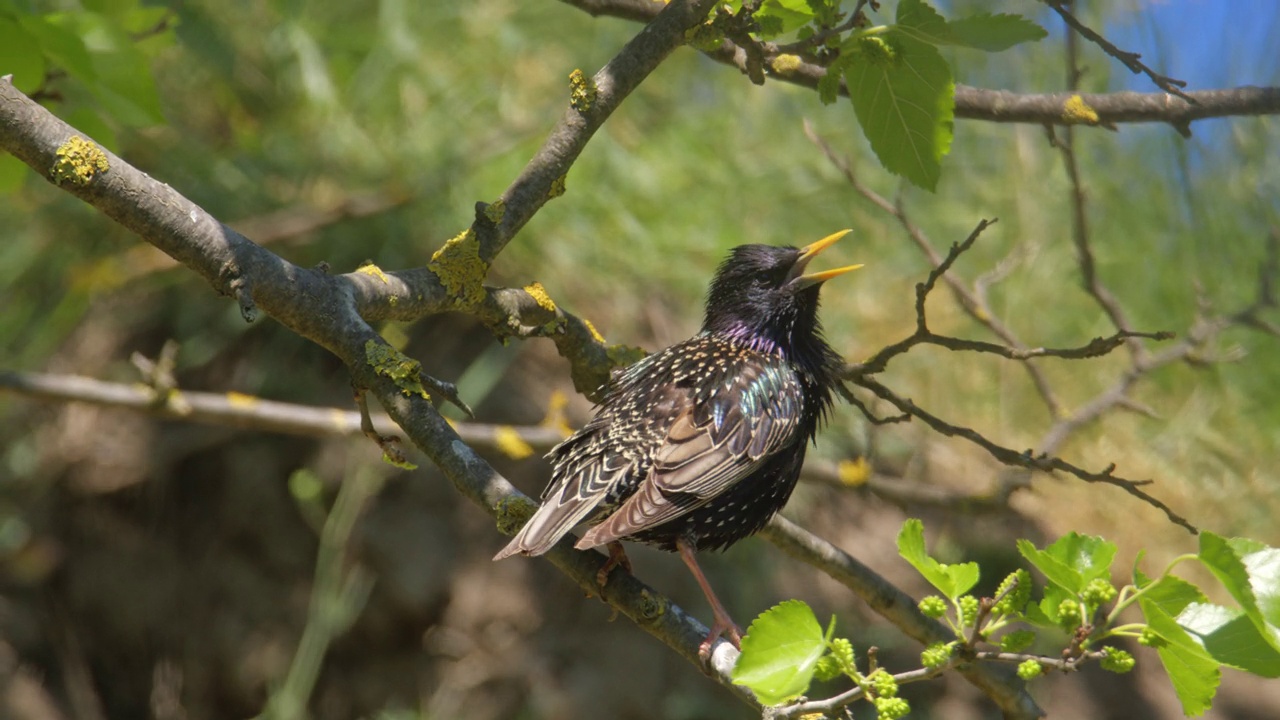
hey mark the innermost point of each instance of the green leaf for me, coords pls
(1171, 594)
(125, 85)
(1072, 560)
(1045, 614)
(64, 48)
(950, 580)
(1250, 571)
(792, 14)
(780, 652)
(994, 33)
(922, 22)
(20, 55)
(1231, 638)
(1194, 673)
(904, 97)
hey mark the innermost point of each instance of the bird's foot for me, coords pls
(617, 557)
(722, 627)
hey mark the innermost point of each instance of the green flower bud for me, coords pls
(1013, 601)
(1150, 638)
(828, 668)
(933, 606)
(1017, 641)
(891, 708)
(1116, 660)
(1098, 592)
(1030, 669)
(883, 684)
(936, 655)
(968, 609)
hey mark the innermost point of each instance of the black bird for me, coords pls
(697, 446)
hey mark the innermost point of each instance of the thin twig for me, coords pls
(1131, 60)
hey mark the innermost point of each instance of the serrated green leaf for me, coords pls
(994, 33)
(1172, 594)
(922, 22)
(1194, 673)
(904, 97)
(1072, 560)
(1252, 579)
(950, 580)
(1055, 571)
(1045, 613)
(1231, 638)
(780, 652)
(20, 56)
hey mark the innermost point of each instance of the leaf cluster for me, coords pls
(786, 648)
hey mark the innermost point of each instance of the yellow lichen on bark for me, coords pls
(403, 370)
(79, 162)
(460, 269)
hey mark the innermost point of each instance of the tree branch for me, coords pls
(1011, 107)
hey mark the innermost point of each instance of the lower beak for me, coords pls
(807, 253)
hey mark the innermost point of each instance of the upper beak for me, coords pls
(807, 253)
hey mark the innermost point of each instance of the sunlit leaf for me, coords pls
(1194, 673)
(950, 580)
(904, 97)
(780, 651)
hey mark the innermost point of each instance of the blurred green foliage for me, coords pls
(298, 107)
(306, 104)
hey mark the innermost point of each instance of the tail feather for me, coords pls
(550, 523)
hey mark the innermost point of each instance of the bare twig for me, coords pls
(1026, 459)
(1131, 60)
(973, 304)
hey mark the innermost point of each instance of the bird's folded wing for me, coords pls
(706, 451)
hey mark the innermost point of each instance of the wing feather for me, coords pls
(707, 449)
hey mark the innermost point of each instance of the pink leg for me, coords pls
(617, 556)
(723, 625)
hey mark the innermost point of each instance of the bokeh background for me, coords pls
(161, 569)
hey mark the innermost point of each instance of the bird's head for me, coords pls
(762, 294)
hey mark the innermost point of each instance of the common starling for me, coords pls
(697, 446)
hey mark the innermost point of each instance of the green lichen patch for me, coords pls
(495, 211)
(460, 269)
(557, 187)
(582, 91)
(403, 370)
(706, 37)
(513, 512)
(652, 606)
(624, 355)
(79, 162)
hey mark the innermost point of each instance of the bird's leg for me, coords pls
(617, 556)
(723, 625)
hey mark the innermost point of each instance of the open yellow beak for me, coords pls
(808, 252)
